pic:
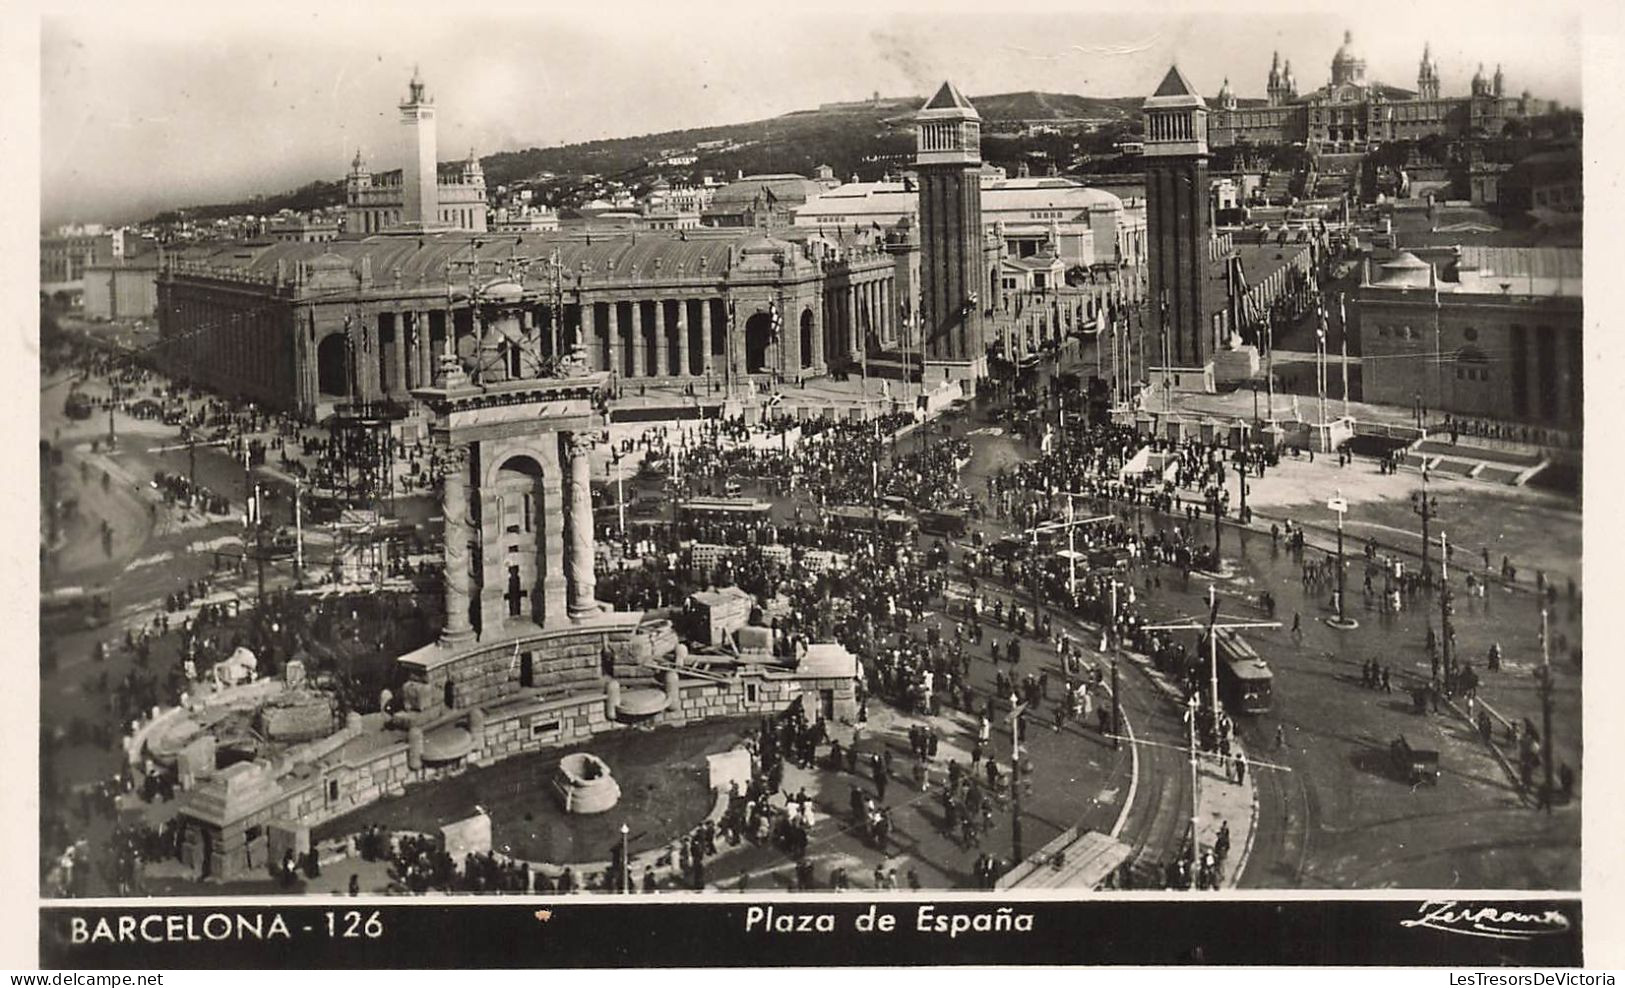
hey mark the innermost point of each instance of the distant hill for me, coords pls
(865, 138)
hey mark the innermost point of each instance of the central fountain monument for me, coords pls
(584, 785)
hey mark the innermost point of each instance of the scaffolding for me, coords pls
(360, 465)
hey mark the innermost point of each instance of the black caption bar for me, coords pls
(574, 932)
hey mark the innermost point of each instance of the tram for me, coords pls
(1245, 680)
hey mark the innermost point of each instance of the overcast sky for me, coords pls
(148, 107)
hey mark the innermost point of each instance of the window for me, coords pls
(542, 728)
(332, 791)
(750, 692)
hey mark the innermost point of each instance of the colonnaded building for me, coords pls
(1350, 113)
(302, 327)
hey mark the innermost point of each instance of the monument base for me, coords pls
(965, 373)
(1179, 380)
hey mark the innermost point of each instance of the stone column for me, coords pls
(587, 333)
(426, 353)
(454, 509)
(550, 603)
(397, 355)
(662, 333)
(854, 338)
(409, 341)
(612, 332)
(705, 336)
(639, 332)
(582, 584)
(682, 338)
(819, 362)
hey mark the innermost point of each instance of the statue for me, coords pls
(575, 363)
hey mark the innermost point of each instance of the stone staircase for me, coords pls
(1474, 463)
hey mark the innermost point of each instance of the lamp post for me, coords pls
(626, 864)
(1545, 676)
(1426, 507)
(1444, 608)
(1244, 461)
(1116, 645)
(1342, 621)
(1015, 784)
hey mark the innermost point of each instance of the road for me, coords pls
(1338, 820)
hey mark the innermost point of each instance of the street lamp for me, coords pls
(1116, 645)
(1426, 507)
(1545, 677)
(626, 864)
(1244, 461)
(1342, 621)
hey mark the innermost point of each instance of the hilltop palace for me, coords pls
(1349, 113)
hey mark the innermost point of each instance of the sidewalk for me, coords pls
(1218, 799)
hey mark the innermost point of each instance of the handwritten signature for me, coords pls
(1496, 922)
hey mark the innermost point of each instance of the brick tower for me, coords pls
(1176, 201)
(948, 158)
(420, 175)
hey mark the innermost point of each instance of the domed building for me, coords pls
(1350, 112)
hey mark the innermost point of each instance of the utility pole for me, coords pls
(1190, 719)
(1444, 607)
(1213, 650)
(1015, 783)
(1546, 705)
(1269, 362)
(1114, 640)
(1427, 508)
(298, 530)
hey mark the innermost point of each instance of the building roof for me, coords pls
(788, 191)
(439, 260)
(948, 98)
(1554, 271)
(1175, 84)
(1036, 262)
(866, 199)
(1404, 271)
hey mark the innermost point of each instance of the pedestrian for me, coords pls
(1280, 737)
(1241, 768)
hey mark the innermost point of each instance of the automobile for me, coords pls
(1008, 547)
(947, 523)
(283, 543)
(1414, 765)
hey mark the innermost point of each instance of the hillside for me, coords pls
(864, 138)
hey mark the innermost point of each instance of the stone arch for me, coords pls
(807, 355)
(333, 365)
(758, 342)
(521, 506)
